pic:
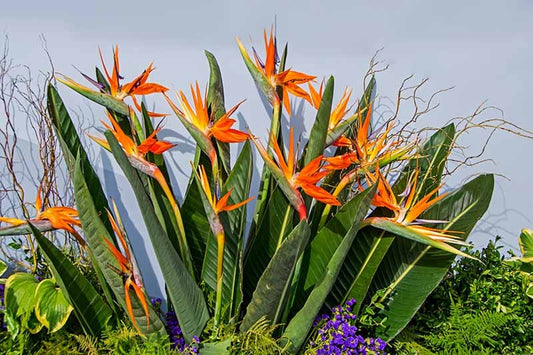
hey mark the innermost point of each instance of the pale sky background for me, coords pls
(482, 48)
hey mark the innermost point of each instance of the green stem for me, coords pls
(184, 246)
(284, 226)
(220, 270)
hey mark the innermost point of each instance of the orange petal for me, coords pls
(13, 221)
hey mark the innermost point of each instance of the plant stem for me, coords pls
(220, 270)
(184, 246)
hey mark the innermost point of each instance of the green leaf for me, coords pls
(234, 224)
(298, 328)
(19, 294)
(410, 271)
(273, 287)
(186, 296)
(526, 243)
(103, 99)
(3, 267)
(72, 147)
(194, 217)
(274, 224)
(346, 126)
(409, 233)
(325, 243)
(89, 307)
(372, 244)
(430, 162)
(220, 348)
(215, 104)
(95, 232)
(319, 131)
(52, 309)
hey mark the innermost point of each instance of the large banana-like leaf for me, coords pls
(270, 295)
(325, 243)
(89, 307)
(430, 162)
(275, 223)
(298, 328)
(215, 104)
(239, 184)
(372, 244)
(187, 298)
(319, 131)
(95, 232)
(411, 271)
(71, 147)
(162, 205)
(194, 216)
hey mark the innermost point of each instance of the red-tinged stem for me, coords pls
(302, 212)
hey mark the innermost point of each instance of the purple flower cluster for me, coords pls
(2, 307)
(338, 334)
(175, 333)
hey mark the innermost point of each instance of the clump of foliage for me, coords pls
(478, 307)
(357, 213)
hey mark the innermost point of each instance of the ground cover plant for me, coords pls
(351, 230)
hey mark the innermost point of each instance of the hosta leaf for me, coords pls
(52, 309)
(20, 293)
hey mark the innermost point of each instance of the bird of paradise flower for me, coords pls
(213, 207)
(127, 269)
(136, 155)
(46, 219)
(405, 220)
(116, 90)
(268, 78)
(291, 180)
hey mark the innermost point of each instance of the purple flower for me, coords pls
(176, 335)
(2, 307)
(337, 334)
